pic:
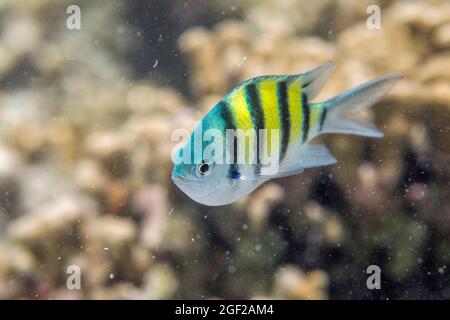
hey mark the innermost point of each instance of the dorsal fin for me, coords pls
(311, 82)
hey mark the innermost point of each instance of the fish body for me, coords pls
(279, 106)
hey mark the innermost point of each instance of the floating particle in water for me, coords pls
(111, 275)
(242, 61)
(154, 66)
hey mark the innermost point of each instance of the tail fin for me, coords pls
(342, 109)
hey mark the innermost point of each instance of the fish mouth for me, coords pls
(177, 178)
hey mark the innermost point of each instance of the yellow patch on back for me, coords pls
(295, 110)
(269, 103)
(243, 120)
(238, 106)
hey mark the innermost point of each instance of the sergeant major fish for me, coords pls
(280, 102)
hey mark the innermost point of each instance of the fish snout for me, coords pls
(176, 177)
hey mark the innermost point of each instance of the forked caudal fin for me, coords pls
(341, 110)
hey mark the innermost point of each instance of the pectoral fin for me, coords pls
(309, 155)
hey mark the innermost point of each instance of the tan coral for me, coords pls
(293, 283)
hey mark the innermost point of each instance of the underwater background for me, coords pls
(86, 117)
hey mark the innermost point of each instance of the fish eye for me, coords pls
(204, 168)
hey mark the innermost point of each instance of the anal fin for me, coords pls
(315, 155)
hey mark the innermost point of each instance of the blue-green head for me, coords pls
(201, 175)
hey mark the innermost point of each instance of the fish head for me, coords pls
(205, 182)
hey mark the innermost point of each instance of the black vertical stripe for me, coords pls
(230, 124)
(226, 115)
(256, 112)
(305, 111)
(323, 115)
(283, 111)
(254, 106)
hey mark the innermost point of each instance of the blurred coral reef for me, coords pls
(85, 156)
